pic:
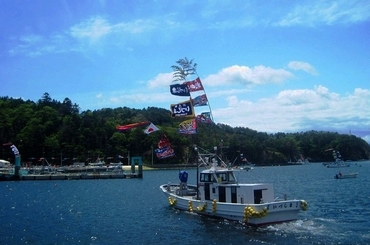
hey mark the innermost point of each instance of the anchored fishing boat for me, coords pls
(219, 194)
(339, 163)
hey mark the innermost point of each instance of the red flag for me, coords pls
(164, 148)
(163, 142)
(195, 85)
(130, 126)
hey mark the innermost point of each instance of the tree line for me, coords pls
(59, 132)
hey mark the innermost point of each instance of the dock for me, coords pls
(70, 176)
(133, 172)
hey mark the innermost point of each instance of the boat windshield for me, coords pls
(226, 177)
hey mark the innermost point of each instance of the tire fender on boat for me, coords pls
(190, 205)
(214, 205)
(304, 205)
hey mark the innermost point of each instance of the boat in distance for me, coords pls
(218, 194)
(350, 175)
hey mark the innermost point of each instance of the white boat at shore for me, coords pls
(219, 194)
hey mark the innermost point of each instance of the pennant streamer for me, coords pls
(183, 109)
(130, 126)
(188, 127)
(200, 100)
(151, 128)
(179, 90)
(163, 142)
(195, 85)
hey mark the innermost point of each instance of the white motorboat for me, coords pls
(350, 175)
(219, 194)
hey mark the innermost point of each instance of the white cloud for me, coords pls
(94, 29)
(257, 75)
(327, 12)
(160, 81)
(299, 65)
(299, 110)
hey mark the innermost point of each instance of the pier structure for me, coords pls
(135, 171)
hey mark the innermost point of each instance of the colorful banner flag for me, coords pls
(188, 127)
(15, 150)
(200, 100)
(204, 117)
(130, 126)
(183, 109)
(165, 152)
(151, 128)
(164, 148)
(179, 90)
(195, 85)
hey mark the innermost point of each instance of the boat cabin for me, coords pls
(221, 185)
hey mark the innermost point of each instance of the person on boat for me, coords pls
(340, 173)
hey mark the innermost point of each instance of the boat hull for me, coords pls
(250, 214)
(345, 176)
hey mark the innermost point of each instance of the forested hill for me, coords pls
(60, 133)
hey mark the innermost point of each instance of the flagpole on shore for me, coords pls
(152, 154)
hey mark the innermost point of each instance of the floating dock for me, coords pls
(130, 174)
(72, 176)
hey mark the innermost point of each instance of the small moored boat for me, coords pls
(345, 176)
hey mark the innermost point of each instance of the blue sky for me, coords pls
(272, 66)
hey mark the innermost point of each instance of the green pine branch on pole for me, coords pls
(183, 69)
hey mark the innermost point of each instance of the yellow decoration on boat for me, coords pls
(190, 205)
(203, 207)
(250, 212)
(304, 205)
(214, 203)
(172, 201)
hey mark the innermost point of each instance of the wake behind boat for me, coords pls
(219, 194)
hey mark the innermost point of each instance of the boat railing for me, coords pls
(208, 159)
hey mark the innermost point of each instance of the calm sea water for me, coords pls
(134, 211)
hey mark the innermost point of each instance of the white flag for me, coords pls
(151, 128)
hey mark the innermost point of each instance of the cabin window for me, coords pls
(226, 177)
(221, 177)
(207, 178)
(231, 177)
